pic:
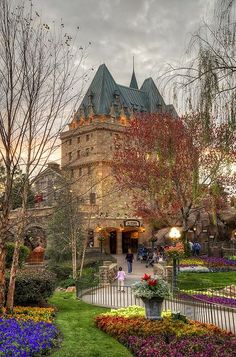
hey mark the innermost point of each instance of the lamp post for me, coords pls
(174, 234)
(210, 237)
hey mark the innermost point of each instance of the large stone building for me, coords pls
(87, 149)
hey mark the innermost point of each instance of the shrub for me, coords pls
(67, 282)
(24, 252)
(33, 287)
(62, 271)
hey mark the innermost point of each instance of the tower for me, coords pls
(87, 149)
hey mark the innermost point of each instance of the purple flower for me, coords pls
(26, 338)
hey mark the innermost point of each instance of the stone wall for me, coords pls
(107, 272)
(164, 271)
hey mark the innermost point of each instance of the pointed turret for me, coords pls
(102, 88)
(133, 82)
(155, 100)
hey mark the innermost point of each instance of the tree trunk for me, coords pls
(12, 282)
(15, 259)
(74, 259)
(2, 273)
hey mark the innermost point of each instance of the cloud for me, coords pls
(155, 31)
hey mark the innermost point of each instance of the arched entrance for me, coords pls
(113, 242)
(130, 239)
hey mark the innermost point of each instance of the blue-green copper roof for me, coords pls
(155, 100)
(100, 93)
(104, 93)
(133, 98)
(133, 82)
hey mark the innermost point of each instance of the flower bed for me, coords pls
(26, 338)
(33, 313)
(169, 337)
(212, 264)
(28, 331)
(194, 269)
(210, 298)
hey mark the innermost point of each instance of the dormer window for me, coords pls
(116, 95)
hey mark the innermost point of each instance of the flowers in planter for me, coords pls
(175, 251)
(148, 288)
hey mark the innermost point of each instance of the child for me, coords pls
(121, 278)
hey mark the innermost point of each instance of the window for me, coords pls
(87, 137)
(87, 152)
(92, 148)
(70, 156)
(78, 140)
(80, 171)
(89, 170)
(72, 174)
(78, 154)
(92, 198)
(70, 141)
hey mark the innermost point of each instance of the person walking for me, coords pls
(130, 258)
(196, 249)
(121, 279)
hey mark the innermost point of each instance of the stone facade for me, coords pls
(87, 149)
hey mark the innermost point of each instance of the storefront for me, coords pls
(120, 237)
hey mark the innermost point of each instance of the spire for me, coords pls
(133, 82)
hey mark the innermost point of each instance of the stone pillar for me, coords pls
(96, 241)
(118, 242)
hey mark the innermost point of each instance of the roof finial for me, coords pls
(133, 82)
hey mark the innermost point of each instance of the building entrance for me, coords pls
(129, 242)
(113, 240)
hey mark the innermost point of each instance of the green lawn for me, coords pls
(81, 337)
(206, 280)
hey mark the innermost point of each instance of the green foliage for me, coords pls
(196, 281)
(67, 282)
(63, 274)
(33, 287)
(81, 337)
(24, 252)
(89, 278)
(62, 271)
(64, 227)
(147, 288)
(16, 193)
(232, 257)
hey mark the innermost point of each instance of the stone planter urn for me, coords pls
(153, 308)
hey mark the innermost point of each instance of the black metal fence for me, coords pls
(198, 308)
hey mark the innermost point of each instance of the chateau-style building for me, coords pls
(87, 148)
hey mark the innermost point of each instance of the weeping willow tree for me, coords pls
(208, 78)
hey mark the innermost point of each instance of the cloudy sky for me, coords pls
(156, 32)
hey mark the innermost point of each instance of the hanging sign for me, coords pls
(131, 223)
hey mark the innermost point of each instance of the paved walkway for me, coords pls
(109, 296)
(139, 269)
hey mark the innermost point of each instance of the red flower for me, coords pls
(152, 282)
(146, 277)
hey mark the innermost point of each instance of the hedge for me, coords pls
(33, 287)
(24, 252)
